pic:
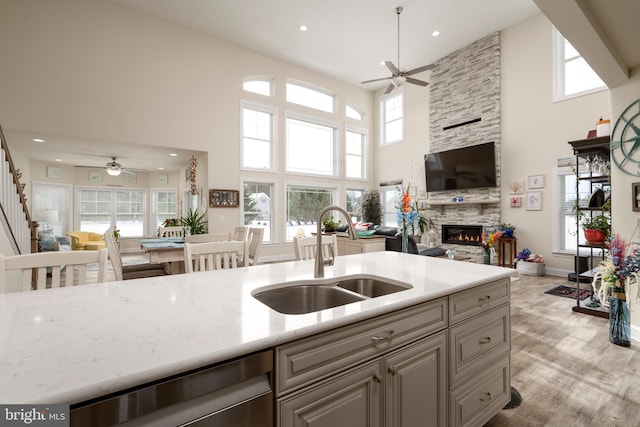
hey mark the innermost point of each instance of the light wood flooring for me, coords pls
(564, 366)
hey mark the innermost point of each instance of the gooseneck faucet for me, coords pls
(319, 267)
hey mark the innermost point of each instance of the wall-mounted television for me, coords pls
(461, 168)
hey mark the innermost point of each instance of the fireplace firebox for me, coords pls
(462, 234)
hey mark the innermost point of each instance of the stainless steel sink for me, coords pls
(306, 297)
(301, 299)
(371, 287)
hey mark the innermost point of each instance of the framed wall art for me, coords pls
(516, 187)
(224, 198)
(515, 201)
(53, 172)
(95, 176)
(536, 181)
(534, 200)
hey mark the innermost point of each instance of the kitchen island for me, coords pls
(71, 345)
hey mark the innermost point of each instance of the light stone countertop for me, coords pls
(68, 345)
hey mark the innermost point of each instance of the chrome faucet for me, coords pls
(320, 263)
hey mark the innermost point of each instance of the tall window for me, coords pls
(573, 76)
(258, 137)
(164, 206)
(391, 118)
(257, 207)
(99, 209)
(389, 198)
(311, 147)
(354, 204)
(56, 197)
(304, 203)
(310, 97)
(355, 144)
(568, 231)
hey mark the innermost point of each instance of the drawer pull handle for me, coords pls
(485, 340)
(377, 378)
(484, 299)
(393, 370)
(485, 398)
(376, 338)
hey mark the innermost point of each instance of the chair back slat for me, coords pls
(214, 255)
(209, 237)
(171, 231)
(255, 236)
(240, 233)
(305, 247)
(114, 253)
(70, 265)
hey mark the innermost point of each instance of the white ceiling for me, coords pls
(346, 39)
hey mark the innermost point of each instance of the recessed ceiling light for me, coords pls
(58, 160)
(173, 154)
(161, 168)
(38, 140)
(436, 33)
(303, 28)
(382, 63)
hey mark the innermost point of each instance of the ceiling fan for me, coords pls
(114, 168)
(398, 75)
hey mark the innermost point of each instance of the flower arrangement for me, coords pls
(407, 213)
(621, 268)
(488, 240)
(526, 256)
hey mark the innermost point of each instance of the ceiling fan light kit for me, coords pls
(400, 76)
(113, 168)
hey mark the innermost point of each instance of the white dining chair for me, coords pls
(240, 233)
(208, 237)
(214, 255)
(305, 247)
(171, 231)
(254, 236)
(127, 272)
(65, 268)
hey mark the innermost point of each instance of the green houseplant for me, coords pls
(371, 207)
(596, 228)
(329, 224)
(196, 222)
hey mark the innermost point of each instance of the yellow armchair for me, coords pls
(86, 240)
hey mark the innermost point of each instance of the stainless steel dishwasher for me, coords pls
(235, 393)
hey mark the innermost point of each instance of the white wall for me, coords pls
(98, 70)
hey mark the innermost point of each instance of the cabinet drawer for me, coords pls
(477, 401)
(465, 304)
(474, 343)
(321, 355)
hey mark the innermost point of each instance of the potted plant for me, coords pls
(371, 207)
(596, 228)
(329, 224)
(197, 223)
(507, 229)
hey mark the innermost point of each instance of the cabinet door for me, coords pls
(350, 400)
(416, 388)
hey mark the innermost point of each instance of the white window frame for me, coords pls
(334, 173)
(363, 156)
(398, 92)
(153, 208)
(273, 142)
(113, 213)
(353, 112)
(273, 205)
(258, 79)
(390, 204)
(309, 227)
(361, 190)
(62, 205)
(559, 70)
(312, 88)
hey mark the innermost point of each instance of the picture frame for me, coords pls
(516, 187)
(163, 179)
(534, 201)
(53, 172)
(95, 176)
(536, 181)
(224, 198)
(635, 196)
(130, 178)
(515, 202)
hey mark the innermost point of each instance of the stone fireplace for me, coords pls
(458, 234)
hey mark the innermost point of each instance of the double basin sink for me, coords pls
(307, 297)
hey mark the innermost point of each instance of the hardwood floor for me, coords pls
(564, 366)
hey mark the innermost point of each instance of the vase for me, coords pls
(486, 256)
(619, 328)
(405, 239)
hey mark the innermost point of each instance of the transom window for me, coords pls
(311, 147)
(257, 207)
(304, 203)
(572, 76)
(259, 85)
(353, 113)
(258, 136)
(391, 118)
(310, 97)
(355, 145)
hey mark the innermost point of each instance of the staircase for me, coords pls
(14, 213)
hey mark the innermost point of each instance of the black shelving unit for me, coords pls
(593, 148)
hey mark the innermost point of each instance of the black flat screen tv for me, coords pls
(461, 168)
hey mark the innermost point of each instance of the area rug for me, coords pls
(568, 292)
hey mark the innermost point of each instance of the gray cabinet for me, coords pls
(346, 246)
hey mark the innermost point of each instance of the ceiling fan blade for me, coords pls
(416, 81)
(376, 80)
(389, 88)
(391, 66)
(420, 69)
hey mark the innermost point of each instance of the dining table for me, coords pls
(168, 250)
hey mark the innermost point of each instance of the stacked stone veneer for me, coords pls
(465, 85)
